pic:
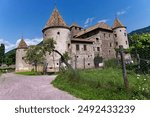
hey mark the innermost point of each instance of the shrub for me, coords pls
(111, 63)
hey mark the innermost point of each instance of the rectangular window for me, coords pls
(115, 35)
(85, 47)
(93, 49)
(125, 34)
(98, 48)
(110, 44)
(116, 43)
(104, 34)
(97, 39)
(77, 47)
(126, 43)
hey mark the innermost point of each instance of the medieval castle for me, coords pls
(83, 45)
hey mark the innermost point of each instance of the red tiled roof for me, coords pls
(55, 19)
(22, 44)
(117, 24)
(100, 25)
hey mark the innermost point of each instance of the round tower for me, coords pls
(120, 36)
(57, 29)
(20, 54)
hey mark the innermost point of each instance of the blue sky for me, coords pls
(28, 17)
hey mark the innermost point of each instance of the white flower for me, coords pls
(138, 75)
(143, 89)
(144, 79)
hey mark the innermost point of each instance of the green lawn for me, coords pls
(29, 73)
(103, 84)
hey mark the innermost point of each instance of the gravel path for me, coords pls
(19, 87)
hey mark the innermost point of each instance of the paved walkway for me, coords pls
(19, 87)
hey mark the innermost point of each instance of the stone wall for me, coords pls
(21, 65)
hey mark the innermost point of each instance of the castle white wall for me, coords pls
(62, 38)
(122, 37)
(21, 65)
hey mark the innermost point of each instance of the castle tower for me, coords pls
(20, 54)
(75, 29)
(120, 36)
(57, 29)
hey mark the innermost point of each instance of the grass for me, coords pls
(103, 84)
(29, 73)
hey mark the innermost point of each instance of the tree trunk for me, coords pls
(63, 60)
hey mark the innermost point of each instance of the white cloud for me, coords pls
(104, 20)
(88, 21)
(123, 11)
(9, 46)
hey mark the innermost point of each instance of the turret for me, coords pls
(75, 28)
(57, 29)
(21, 65)
(120, 36)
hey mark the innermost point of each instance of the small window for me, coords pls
(115, 35)
(110, 44)
(120, 30)
(77, 47)
(125, 34)
(85, 47)
(104, 34)
(45, 35)
(58, 33)
(109, 35)
(116, 43)
(93, 49)
(68, 46)
(57, 63)
(109, 52)
(126, 42)
(88, 64)
(98, 48)
(97, 39)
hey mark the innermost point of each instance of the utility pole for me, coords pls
(121, 50)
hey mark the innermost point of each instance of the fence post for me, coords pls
(121, 50)
(84, 62)
(75, 62)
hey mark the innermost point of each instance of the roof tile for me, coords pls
(55, 19)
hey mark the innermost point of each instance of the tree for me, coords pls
(2, 53)
(49, 46)
(140, 48)
(10, 57)
(35, 56)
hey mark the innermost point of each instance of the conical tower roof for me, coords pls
(55, 20)
(118, 24)
(22, 44)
